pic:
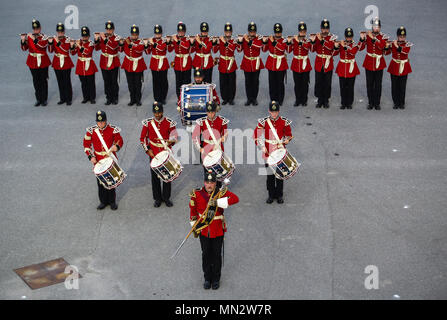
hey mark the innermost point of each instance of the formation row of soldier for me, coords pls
(324, 44)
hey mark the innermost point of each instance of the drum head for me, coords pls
(276, 156)
(159, 159)
(212, 158)
(102, 165)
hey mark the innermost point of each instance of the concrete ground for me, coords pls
(372, 189)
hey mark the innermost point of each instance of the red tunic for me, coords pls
(219, 125)
(300, 61)
(61, 49)
(183, 50)
(347, 61)
(325, 53)
(37, 52)
(252, 62)
(203, 58)
(400, 64)
(111, 135)
(86, 65)
(158, 62)
(277, 59)
(282, 127)
(149, 139)
(110, 49)
(199, 202)
(227, 62)
(375, 50)
(133, 60)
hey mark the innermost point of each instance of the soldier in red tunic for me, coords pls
(134, 64)
(277, 64)
(114, 141)
(282, 126)
(301, 66)
(252, 64)
(203, 59)
(182, 63)
(109, 63)
(152, 146)
(347, 69)
(227, 65)
(62, 64)
(159, 64)
(211, 236)
(399, 68)
(374, 63)
(37, 61)
(86, 67)
(326, 48)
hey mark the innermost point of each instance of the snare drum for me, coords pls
(193, 98)
(283, 164)
(166, 166)
(109, 173)
(217, 161)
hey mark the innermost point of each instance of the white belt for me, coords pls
(258, 60)
(87, 62)
(273, 141)
(184, 57)
(401, 64)
(135, 61)
(38, 56)
(205, 56)
(327, 57)
(231, 61)
(304, 58)
(351, 62)
(278, 59)
(61, 59)
(377, 57)
(109, 58)
(160, 60)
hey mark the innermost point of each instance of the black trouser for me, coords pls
(211, 257)
(252, 84)
(208, 75)
(398, 88)
(227, 85)
(64, 83)
(276, 85)
(157, 192)
(111, 87)
(301, 80)
(347, 91)
(181, 78)
(160, 85)
(374, 86)
(323, 86)
(275, 186)
(88, 87)
(134, 82)
(40, 82)
(106, 196)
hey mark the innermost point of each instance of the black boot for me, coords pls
(101, 206)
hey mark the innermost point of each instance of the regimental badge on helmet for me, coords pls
(60, 27)
(228, 27)
(181, 26)
(110, 25)
(157, 107)
(134, 29)
(158, 29)
(349, 33)
(302, 26)
(198, 73)
(211, 106)
(35, 24)
(101, 116)
(204, 27)
(252, 26)
(376, 22)
(274, 106)
(277, 28)
(325, 24)
(210, 176)
(402, 31)
(85, 31)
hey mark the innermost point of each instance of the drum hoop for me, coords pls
(111, 165)
(160, 163)
(285, 154)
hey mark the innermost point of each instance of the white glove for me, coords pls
(192, 223)
(222, 203)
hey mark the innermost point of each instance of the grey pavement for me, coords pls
(380, 201)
